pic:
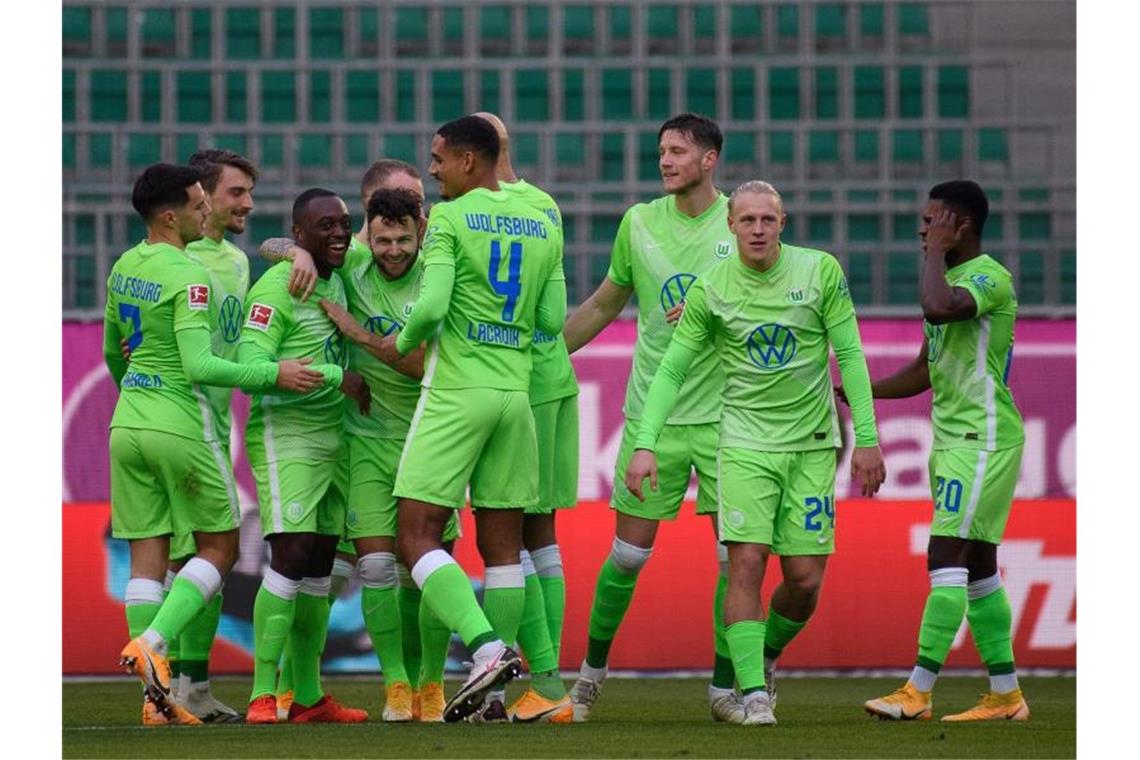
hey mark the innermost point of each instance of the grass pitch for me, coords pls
(818, 717)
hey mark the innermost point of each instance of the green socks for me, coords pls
(408, 598)
(534, 639)
(746, 642)
(991, 625)
(724, 675)
(273, 611)
(504, 594)
(945, 607)
(548, 565)
(142, 600)
(194, 586)
(310, 625)
(778, 632)
(435, 641)
(197, 639)
(447, 590)
(382, 613)
(612, 595)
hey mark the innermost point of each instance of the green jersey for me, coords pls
(660, 252)
(155, 291)
(770, 331)
(228, 268)
(278, 326)
(552, 376)
(969, 363)
(381, 305)
(503, 254)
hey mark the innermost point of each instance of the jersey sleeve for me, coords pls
(201, 366)
(112, 351)
(989, 292)
(844, 338)
(267, 319)
(192, 298)
(836, 305)
(695, 326)
(430, 308)
(551, 314)
(621, 259)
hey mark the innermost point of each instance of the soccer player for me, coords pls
(169, 474)
(554, 404)
(382, 274)
(969, 309)
(660, 249)
(295, 448)
(492, 274)
(771, 312)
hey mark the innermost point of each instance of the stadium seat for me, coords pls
(158, 33)
(953, 92)
(405, 104)
(356, 151)
(870, 98)
(902, 278)
(108, 95)
(783, 93)
(532, 95)
(701, 90)
(1069, 277)
(617, 94)
(201, 40)
(1031, 278)
(99, 149)
(446, 94)
(243, 34)
(745, 29)
(827, 93)
(362, 97)
(992, 145)
(860, 277)
(1035, 225)
(326, 33)
(143, 150)
(320, 96)
(910, 92)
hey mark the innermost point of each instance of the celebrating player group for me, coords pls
(422, 362)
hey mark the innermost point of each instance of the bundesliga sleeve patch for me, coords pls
(198, 296)
(260, 316)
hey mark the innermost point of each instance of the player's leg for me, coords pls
(988, 610)
(744, 627)
(434, 639)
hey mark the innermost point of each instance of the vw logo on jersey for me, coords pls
(229, 319)
(771, 346)
(382, 325)
(935, 337)
(335, 350)
(674, 289)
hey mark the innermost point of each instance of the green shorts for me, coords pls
(556, 427)
(478, 436)
(167, 484)
(680, 449)
(301, 495)
(973, 492)
(372, 464)
(784, 499)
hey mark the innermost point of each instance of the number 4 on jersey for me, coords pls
(512, 286)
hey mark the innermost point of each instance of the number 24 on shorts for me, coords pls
(825, 505)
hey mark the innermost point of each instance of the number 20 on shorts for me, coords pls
(947, 494)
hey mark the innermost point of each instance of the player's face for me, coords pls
(929, 214)
(325, 230)
(449, 168)
(683, 163)
(190, 219)
(757, 219)
(394, 246)
(231, 201)
(399, 180)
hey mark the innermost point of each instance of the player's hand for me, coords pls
(355, 387)
(842, 395)
(674, 314)
(124, 348)
(642, 465)
(303, 277)
(344, 322)
(293, 375)
(867, 469)
(945, 232)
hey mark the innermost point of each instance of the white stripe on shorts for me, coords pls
(211, 437)
(271, 469)
(975, 493)
(419, 413)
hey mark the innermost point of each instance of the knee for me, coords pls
(289, 555)
(804, 586)
(629, 558)
(378, 570)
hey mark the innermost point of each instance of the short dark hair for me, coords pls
(382, 170)
(162, 186)
(211, 161)
(474, 134)
(966, 197)
(394, 205)
(702, 130)
(304, 198)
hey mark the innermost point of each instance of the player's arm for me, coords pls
(605, 303)
(440, 248)
(260, 339)
(112, 344)
(411, 365)
(303, 278)
(911, 380)
(942, 303)
(551, 314)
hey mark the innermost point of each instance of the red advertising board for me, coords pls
(868, 615)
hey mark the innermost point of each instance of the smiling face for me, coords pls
(757, 219)
(324, 230)
(394, 245)
(450, 167)
(189, 220)
(231, 201)
(683, 163)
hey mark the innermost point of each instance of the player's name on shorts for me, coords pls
(500, 335)
(136, 287)
(141, 380)
(503, 224)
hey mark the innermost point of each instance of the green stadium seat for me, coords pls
(1031, 278)
(700, 89)
(790, 229)
(143, 150)
(446, 95)
(1069, 277)
(905, 195)
(870, 101)
(950, 143)
(1033, 194)
(356, 151)
(745, 27)
(739, 148)
(411, 31)
(603, 228)
(314, 150)
(532, 95)
(992, 145)
(872, 19)
(953, 92)
(599, 266)
(524, 149)
(902, 278)
(647, 157)
(704, 23)
(402, 147)
(326, 33)
(84, 230)
(68, 95)
(158, 33)
(819, 228)
(453, 26)
(913, 19)
(827, 93)
(823, 146)
(820, 196)
(781, 147)
(613, 157)
(537, 29)
(573, 95)
(186, 144)
(788, 21)
(405, 95)
(83, 275)
(76, 31)
(194, 99)
(320, 96)
(660, 85)
(617, 94)
(368, 31)
(117, 23)
(201, 40)
(361, 97)
(830, 21)
(910, 92)
(136, 229)
(495, 30)
(272, 153)
(108, 96)
(864, 228)
(621, 28)
(904, 227)
(783, 93)
(1035, 225)
(866, 146)
(231, 141)
(906, 145)
(661, 24)
(995, 226)
(743, 97)
(243, 33)
(150, 97)
(490, 91)
(860, 277)
(278, 101)
(284, 33)
(578, 22)
(68, 150)
(857, 195)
